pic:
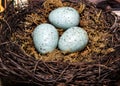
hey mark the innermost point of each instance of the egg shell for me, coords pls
(45, 38)
(73, 39)
(64, 17)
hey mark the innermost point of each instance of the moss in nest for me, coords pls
(92, 20)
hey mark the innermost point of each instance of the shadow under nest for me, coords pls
(97, 64)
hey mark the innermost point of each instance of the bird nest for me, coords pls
(97, 64)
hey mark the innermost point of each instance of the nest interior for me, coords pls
(92, 21)
(98, 63)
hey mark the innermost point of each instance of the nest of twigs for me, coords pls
(97, 64)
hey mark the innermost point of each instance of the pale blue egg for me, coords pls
(64, 17)
(45, 38)
(73, 39)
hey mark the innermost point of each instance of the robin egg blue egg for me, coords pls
(73, 39)
(64, 17)
(45, 38)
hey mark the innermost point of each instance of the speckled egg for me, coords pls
(45, 38)
(64, 17)
(73, 39)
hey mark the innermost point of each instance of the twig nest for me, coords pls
(45, 38)
(17, 51)
(64, 17)
(73, 39)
